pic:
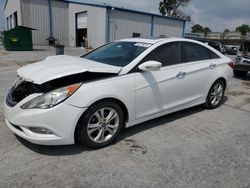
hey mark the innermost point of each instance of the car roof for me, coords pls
(156, 40)
(143, 40)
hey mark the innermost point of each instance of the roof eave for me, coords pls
(127, 10)
(5, 4)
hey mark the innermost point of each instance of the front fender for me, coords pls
(121, 88)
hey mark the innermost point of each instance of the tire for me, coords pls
(215, 95)
(94, 128)
(240, 73)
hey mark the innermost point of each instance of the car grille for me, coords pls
(21, 91)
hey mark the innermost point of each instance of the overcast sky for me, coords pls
(1, 15)
(216, 14)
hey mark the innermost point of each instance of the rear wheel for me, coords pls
(240, 73)
(215, 95)
(101, 125)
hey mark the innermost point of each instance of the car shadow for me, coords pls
(162, 121)
(39, 49)
(54, 150)
(77, 148)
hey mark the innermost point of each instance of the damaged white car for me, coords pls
(89, 99)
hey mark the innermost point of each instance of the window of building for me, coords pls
(195, 52)
(10, 22)
(167, 54)
(15, 19)
(136, 35)
(7, 23)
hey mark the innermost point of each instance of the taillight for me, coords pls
(231, 64)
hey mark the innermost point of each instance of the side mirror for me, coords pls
(150, 66)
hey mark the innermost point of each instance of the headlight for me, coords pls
(52, 98)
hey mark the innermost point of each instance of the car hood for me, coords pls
(54, 67)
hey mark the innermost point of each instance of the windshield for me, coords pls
(117, 53)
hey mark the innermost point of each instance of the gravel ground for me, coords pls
(191, 148)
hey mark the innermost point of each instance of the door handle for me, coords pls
(181, 75)
(212, 66)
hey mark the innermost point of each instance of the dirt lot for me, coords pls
(191, 148)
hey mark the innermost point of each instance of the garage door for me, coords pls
(82, 20)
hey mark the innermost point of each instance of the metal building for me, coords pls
(75, 24)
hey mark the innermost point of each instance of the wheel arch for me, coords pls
(117, 101)
(223, 80)
(207, 103)
(212, 83)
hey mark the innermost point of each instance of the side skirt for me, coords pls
(169, 111)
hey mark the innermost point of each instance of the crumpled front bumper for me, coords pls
(61, 120)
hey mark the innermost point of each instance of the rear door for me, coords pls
(199, 64)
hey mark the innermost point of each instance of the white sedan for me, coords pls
(89, 99)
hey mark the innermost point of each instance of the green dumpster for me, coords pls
(18, 39)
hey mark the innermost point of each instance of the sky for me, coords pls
(2, 25)
(215, 14)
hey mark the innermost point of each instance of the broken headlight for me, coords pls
(52, 98)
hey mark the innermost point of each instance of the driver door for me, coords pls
(160, 90)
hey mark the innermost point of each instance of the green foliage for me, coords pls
(200, 29)
(206, 30)
(226, 31)
(197, 28)
(171, 8)
(243, 29)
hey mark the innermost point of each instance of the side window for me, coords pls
(195, 52)
(167, 54)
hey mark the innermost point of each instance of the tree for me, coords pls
(206, 30)
(243, 29)
(226, 31)
(171, 8)
(197, 28)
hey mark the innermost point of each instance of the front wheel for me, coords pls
(215, 95)
(101, 125)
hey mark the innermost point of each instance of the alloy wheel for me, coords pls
(103, 125)
(216, 94)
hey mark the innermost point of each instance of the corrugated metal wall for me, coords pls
(11, 7)
(167, 27)
(123, 24)
(36, 15)
(60, 21)
(96, 22)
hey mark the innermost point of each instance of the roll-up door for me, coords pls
(82, 20)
